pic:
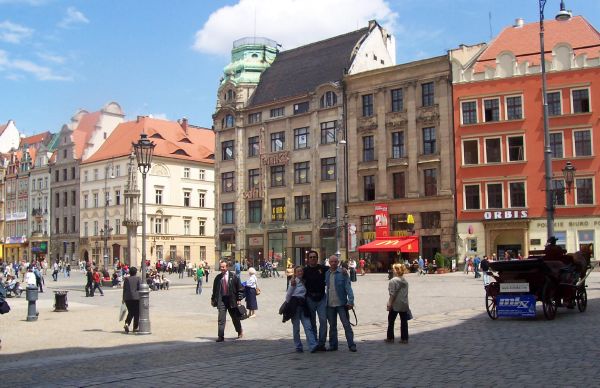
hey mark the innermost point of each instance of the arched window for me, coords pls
(228, 121)
(230, 95)
(328, 99)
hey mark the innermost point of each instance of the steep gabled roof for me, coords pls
(299, 71)
(84, 131)
(35, 140)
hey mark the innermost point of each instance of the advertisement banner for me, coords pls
(516, 305)
(382, 229)
(352, 240)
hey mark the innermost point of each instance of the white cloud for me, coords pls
(16, 68)
(73, 17)
(48, 57)
(291, 23)
(159, 116)
(13, 33)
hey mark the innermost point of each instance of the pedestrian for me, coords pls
(296, 296)
(206, 271)
(199, 278)
(68, 270)
(361, 265)
(89, 285)
(250, 290)
(2, 299)
(314, 281)
(467, 264)
(340, 300)
(30, 279)
(485, 267)
(476, 262)
(352, 265)
(238, 268)
(38, 277)
(131, 298)
(274, 269)
(227, 294)
(181, 269)
(55, 271)
(289, 273)
(97, 282)
(398, 304)
(421, 266)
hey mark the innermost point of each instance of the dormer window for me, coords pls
(227, 121)
(230, 95)
(328, 99)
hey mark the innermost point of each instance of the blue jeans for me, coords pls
(320, 309)
(199, 286)
(332, 314)
(308, 330)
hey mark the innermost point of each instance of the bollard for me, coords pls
(60, 301)
(31, 294)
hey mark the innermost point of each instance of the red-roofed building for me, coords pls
(180, 195)
(499, 137)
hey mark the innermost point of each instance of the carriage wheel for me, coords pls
(581, 297)
(548, 301)
(491, 291)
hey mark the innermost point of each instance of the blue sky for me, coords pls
(165, 58)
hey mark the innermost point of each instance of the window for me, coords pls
(368, 148)
(397, 100)
(106, 198)
(186, 227)
(72, 172)
(472, 199)
(253, 146)
(227, 150)
(430, 220)
(585, 191)
(203, 253)
(95, 174)
(328, 99)
(367, 105)
(73, 224)
(227, 213)
(117, 170)
(585, 238)
(57, 200)
(302, 207)
(254, 118)
(517, 194)
(277, 112)
(397, 145)
(85, 229)
(278, 209)
(65, 177)
(554, 103)
(228, 121)
(227, 182)
(428, 141)
(64, 154)
(301, 172)
(399, 187)
(158, 225)
(300, 138)
(85, 201)
(117, 197)
(277, 176)
(469, 112)
(491, 110)
(95, 199)
(95, 228)
(201, 174)
(186, 172)
(430, 181)
(558, 187)
(158, 194)
(583, 142)
(186, 198)
(277, 141)
(172, 252)
(367, 223)
(201, 227)
(85, 176)
(328, 169)
(201, 199)
(581, 100)
(253, 178)
(470, 152)
(56, 176)
(369, 187)
(301, 107)
(328, 205)
(328, 132)
(427, 94)
(514, 108)
(556, 144)
(516, 148)
(493, 150)
(57, 225)
(494, 196)
(159, 252)
(254, 212)
(186, 253)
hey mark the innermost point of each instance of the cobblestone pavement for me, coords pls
(452, 341)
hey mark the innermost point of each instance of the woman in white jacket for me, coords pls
(398, 304)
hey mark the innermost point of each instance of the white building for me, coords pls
(9, 137)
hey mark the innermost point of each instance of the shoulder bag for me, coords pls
(4, 307)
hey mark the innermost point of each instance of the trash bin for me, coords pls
(60, 301)
(31, 294)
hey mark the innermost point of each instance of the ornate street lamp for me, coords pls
(569, 175)
(561, 16)
(107, 229)
(144, 149)
(338, 143)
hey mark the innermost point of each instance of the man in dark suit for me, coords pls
(226, 296)
(131, 297)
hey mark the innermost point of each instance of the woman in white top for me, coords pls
(297, 294)
(250, 291)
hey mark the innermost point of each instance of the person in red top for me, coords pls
(361, 265)
(97, 282)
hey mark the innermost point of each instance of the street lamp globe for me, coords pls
(563, 14)
(144, 149)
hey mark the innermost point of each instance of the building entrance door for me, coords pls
(515, 248)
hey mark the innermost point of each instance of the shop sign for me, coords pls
(275, 159)
(252, 194)
(163, 238)
(16, 216)
(381, 220)
(16, 240)
(302, 239)
(352, 240)
(505, 215)
(256, 241)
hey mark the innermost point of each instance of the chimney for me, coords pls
(184, 125)
(137, 120)
(519, 23)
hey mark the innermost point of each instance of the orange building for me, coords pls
(499, 138)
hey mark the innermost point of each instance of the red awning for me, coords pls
(393, 244)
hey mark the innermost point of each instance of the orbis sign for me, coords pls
(505, 215)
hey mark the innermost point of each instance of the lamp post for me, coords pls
(143, 152)
(561, 16)
(338, 142)
(106, 229)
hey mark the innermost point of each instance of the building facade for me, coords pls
(277, 140)
(499, 138)
(399, 122)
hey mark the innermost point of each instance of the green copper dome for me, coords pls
(249, 58)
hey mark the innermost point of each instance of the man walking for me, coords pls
(227, 294)
(55, 271)
(97, 282)
(199, 277)
(485, 267)
(314, 281)
(340, 299)
(476, 263)
(89, 285)
(131, 297)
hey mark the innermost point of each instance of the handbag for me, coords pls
(257, 291)
(409, 315)
(4, 307)
(122, 311)
(241, 310)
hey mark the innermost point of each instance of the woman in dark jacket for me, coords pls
(131, 297)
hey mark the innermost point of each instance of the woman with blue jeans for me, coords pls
(298, 293)
(398, 304)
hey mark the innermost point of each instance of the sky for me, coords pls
(165, 58)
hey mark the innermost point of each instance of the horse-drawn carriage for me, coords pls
(554, 278)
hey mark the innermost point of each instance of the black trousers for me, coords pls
(223, 308)
(133, 311)
(403, 324)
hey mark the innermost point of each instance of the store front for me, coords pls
(381, 253)
(302, 244)
(254, 252)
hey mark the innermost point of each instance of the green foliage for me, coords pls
(440, 260)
